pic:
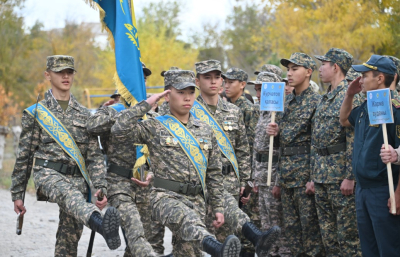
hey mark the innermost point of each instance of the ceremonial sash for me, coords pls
(61, 135)
(188, 143)
(118, 107)
(201, 113)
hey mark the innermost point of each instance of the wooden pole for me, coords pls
(389, 173)
(271, 151)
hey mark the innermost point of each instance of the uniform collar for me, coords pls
(51, 101)
(221, 105)
(298, 98)
(192, 121)
(342, 85)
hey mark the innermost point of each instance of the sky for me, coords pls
(54, 13)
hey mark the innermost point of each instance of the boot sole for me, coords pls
(231, 247)
(265, 243)
(111, 222)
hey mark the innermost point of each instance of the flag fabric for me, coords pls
(118, 19)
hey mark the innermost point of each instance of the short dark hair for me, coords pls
(167, 87)
(341, 69)
(388, 77)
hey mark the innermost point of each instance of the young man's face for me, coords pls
(181, 101)
(257, 88)
(234, 87)
(61, 80)
(326, 72)
(209, 83)
(288, 89)
(369, 82)
(297, 75)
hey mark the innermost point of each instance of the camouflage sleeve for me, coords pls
(127, 123)
(25, 156)
(214, 178)
(100, 123)
(95, 165)
(242, 152)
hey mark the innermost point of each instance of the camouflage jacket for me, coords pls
(261, 145)
(250, 117)
(163, 108)
(295, 130)
(169, 161)
(120, 151)
(227, 112)
(45, 147)
(327, 131)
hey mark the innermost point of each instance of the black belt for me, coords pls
(331, 149)
(264, 157)
(126, 173)
(60, 167)
(178, 187)
(304, 149)
(226, 169)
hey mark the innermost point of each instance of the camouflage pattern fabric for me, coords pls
(163, 108)
(339, 56)
(270, 68)
(179, 78)
(338, 221)
(146, 71)
(123, 193)
(70, 193)
(235, 74)
(267, 77)
(300, 59)
(172, 68)
(301, 222)
(352, 74)
(170, 162)
(329, 171)
(58, 63)
(207, 66)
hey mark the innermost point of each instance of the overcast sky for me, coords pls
(54, 13)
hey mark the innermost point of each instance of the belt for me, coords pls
(331, 149)
(60, 167)
(178, 187)
(264, 157)
(226, 169)
(295, 150)
(126, 173)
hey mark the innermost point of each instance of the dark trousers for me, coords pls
(379, 230)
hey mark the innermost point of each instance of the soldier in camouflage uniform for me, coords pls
(394, 87)
(270, 204)
(292, 131)
(230, 118)
(266, 68)
(235, 82)
(164, 107)
(56, 175)
(182, 211)
(332, 149)
(126, 193)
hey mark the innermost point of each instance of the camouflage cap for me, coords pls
(58, 63)
(172, 68)
(116, 94)
(270, 68)
(396, 62)
(267, 77)
(352, 74)
(300, 59)
(207, 66)
(235, 73)
(146, 71)
(179, 79)
(251, 82)
(338, 56)
(285, 79)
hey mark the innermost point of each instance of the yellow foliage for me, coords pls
(8, 109)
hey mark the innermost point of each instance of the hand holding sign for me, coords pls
(380, 112)
(272, 99)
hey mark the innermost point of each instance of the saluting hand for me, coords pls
(156, 97)
(354, 87)
(389, 155)
(272, 129)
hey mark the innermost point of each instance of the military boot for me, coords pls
(108, 226)
(230, 248)
(262, 241)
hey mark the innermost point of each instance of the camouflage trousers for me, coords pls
(271, 214)
(337, 220)
(153, 230)
(234, 218)
(253, 211)
(301, 222)
(70, 193)
(185, 218)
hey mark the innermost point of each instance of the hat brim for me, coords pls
(322, 58)
(224, 76)
(163, 73)
(114, 95)
(257, 72)
(206, 71)
(252, 82)
(361, 68)
(183, 85)
(58, 69)
(146, 71)
(285, 62)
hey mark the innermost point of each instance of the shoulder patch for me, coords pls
(396, 103)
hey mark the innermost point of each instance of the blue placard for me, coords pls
(272, 96)
(379, 106)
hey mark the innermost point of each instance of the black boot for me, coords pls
(263, 241)
(108, 226)
(230, 248)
